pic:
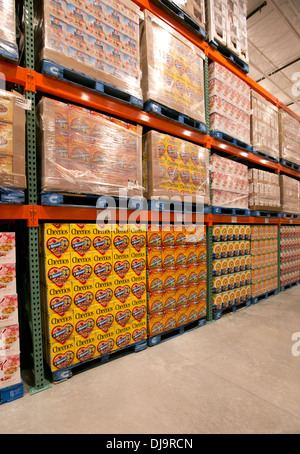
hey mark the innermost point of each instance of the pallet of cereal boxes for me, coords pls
(173, 167)
(86, 152)
(289, 133)
(101, 43)
(94, 290)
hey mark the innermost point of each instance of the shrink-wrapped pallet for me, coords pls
(86, 152)
(12, 140)
(289, 190)
(8, 39)
(264, 190)
(289, 130)
(99, 40)
(175, 167)
(173, 70)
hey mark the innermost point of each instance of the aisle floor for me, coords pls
(236, 375)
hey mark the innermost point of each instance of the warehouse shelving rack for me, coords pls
(33, 213)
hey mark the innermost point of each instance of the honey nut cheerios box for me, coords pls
(59, 356)
(105, 341)
(85, 348)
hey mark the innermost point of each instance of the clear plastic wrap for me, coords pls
(174, 167)
(289, 133)
(87, 152)
(264, 126)
(264, 190)
(216, 14)
(98, 39)
(173, 70)
(229, 183)
(229, 103)
(290, 195)
(12, 141)
(194, 8)
(289, 254)
(8, 44)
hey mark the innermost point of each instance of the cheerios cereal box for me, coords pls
(60, 356)
(85, 348)
(105, 341)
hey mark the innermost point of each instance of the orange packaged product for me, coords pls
(154, 258)
(154, 236)
(181, 277)
(167, 235)
(182, 315)
(202, 291)
(169, 319)
(180, 255)
(192, 273)
(202, 272)
(201, 252)
(154, 280)
(169, 278)
(202, 309)
(168, 257)
(169, 299)
(180, 235)
(181, 296)
(192, 293)
(191, 255)
(155, 323)
(192, 312)
(155, 302)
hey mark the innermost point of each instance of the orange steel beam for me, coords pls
(13, 73)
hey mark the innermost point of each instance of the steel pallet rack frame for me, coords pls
(34, 213)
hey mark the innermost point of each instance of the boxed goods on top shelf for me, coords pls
(289, 254)
(12, 140)
(264, 190)
(93, 290)
(264, 259)
(289, 128)
(8, 40)
(9, 321)
(264, 126)
(86, 152)
(226, 23)
(290, 195)
(173, 69)
(176, 276)
(229, 183)
(175, 167)
(229, 103)
(194, 8)
(100, 41)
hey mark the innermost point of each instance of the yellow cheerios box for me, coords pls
(105, 318)
(56, 300)
(60, 356)
(85, 348)
(122, 336)
(102, 239)
(48, 231)
(121, 239)
(81, 245)
(105, 341)
(58, 329)
(103, 270)
(81, 230)
(83, 294)
(138, 332)
(56, 271)
(84, 321)
(138, 266)
(103, 292)
(82, 268)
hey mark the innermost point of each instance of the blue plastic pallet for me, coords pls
(171, 114)
(14, 196)
(231, 211)
(290, 165)
(290, 215)
(9, 51)
(229, 139)
(167, 335)
(266, 214)
(217, 314)
(68, 372)
(11, 393)
(264, 155)
(174, 206)
(230, 55)
(264, 296)
(50, 68)
(181, 17)
(92, 200)
(288, 286)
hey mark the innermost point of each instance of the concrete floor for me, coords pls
(236, 375)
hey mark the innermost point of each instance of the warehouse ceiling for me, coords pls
(274, 48)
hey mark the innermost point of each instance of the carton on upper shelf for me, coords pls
(102, 43)
(173, 69)
(194, 8)
(289, 134)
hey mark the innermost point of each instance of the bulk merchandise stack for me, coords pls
(231, 283)
(289, 255)
(264, 190)
(289, 128)
(264, 259)
(8, 36)
(98, 41)
(195, 9)
(229, 105)
(9, 320)
(176, 276)
(94, 290)
(264, 127)
(229, 183)
(289, 193)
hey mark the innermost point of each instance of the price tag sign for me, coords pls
(233, 219)
(267, 221)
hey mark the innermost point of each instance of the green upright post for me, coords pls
(278, 259)
(206, 94)
(33, 235)
(209, 315)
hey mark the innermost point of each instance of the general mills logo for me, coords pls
(296, 84)
(296, 345)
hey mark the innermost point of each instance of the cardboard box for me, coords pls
(8, 310)
(10, 372)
